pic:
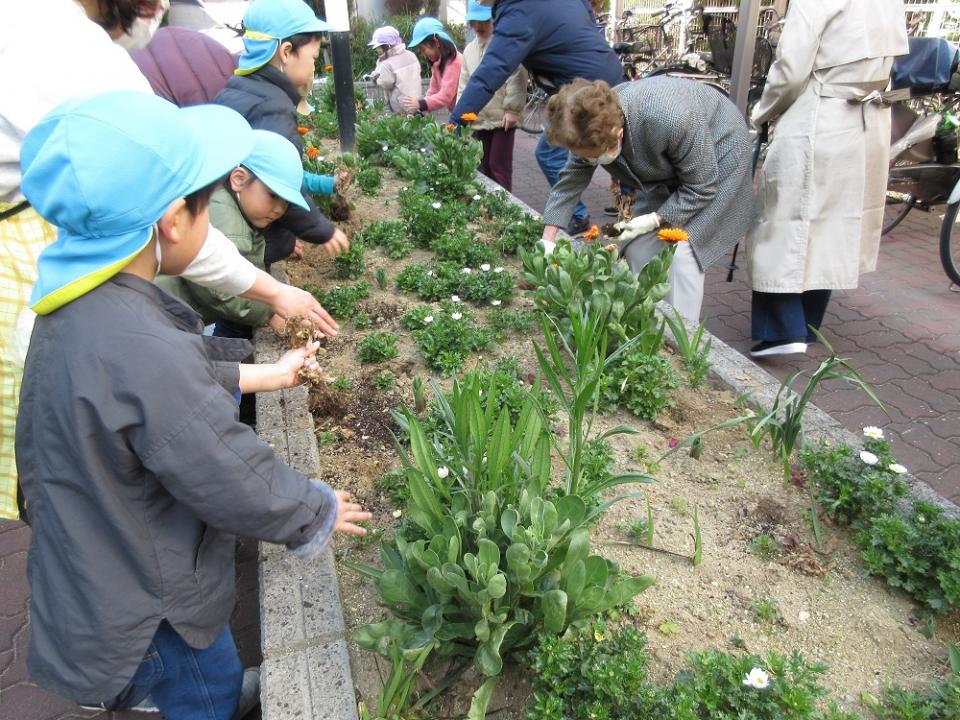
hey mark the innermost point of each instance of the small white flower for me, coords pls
(428, 319)
(756, 678)
(498, 269)
(397, 514)
(385, 148)
(477, 197)
(456, 316)
(496, 303)
(868, 457)
(437, 205)
(429, 273)
(896, 468)
(442, 471)
(751, 412)
(466, 271)
(485, 267)
(921, 519)
(465, 471)
(423, 150)
(454, 298)
(874, 433)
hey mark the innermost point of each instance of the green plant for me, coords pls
(350, 264)
(639, 529)
(326, 437)
(394, 484)
(391, 235)
(485, 563)
(511, 235)
(764, 547)
(407, 655)
(765, 610)
(385, 381)
(377, 347)
(369, 180)
(381, 277)
(449, 337)
(503, 321)
(419, 395)
(463, 248)
(695, 356)
(428, 218)
(641, 382)
(341, 384)
(697, 538)
(379, 138)
(679, 506)
(341, 302)
(361, 320)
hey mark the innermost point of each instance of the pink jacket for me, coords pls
(442, 92)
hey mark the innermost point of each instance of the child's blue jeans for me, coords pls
(186, 683)
(551, 160)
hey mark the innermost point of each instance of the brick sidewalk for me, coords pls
(900, 329)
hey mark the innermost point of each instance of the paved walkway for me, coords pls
(900, 329)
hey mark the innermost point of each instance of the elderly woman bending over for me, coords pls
(686, 149)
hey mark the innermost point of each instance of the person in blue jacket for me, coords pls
(557, 42)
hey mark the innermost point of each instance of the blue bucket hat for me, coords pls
(105, 168)
(266, 23)
(276, 163)
(427, 27)
(477, 12)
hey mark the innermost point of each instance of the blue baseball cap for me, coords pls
(105, 168)
(477, 12)
(427, 27)
(276, 163)
(266, 23)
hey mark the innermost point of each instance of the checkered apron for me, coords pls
(22, 237)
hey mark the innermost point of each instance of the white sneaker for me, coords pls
(249, 693)
(778, 348)
(145, 706)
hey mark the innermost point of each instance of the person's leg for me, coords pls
(486, 140)
(778, 323)
(501, 157)
(686, 283)
(197, 684)
(551, 161)
(814, 308)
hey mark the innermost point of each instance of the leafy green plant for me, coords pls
(695, 355)
(391, 235)
(369, 180)
(377, 347)
(463, 248)
(341, 383)
(350, 264)
(513, 234)
(378, 138)
(641, 382)
(485, 563)
(342, 301)
(428, 218)
(503, 321)
(326, 437)
(381, 277)
(394, 484)
(449, 337)
(362, 320)
(764, 547)
(765, 610)
(419, 395)
(385, 381)
(407, 654)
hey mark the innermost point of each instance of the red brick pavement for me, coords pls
(900, 329)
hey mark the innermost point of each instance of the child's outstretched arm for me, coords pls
(284, 373)
(318, 184)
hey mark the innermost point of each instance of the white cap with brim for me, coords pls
(276, 163)
(105, 168)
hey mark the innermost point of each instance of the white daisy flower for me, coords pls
(397, 514)
(442, 471)
(385, 148)
(454, 298)
(757, 678)
(498, 269)
(437, 205)
(428, 319)
(477, 197)
(423, 150)
(466, 271)
(485, 267)
(874, 433)
(496, 303)
(868, 457)
(896, 468)
(456, 316)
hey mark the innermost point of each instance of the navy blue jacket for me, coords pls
(268, 100)
(553, 39)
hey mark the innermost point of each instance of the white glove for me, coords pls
(695, 61)
(638, 226)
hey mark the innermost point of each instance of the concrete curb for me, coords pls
(306, 667)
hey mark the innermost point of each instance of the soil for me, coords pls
(868, 634)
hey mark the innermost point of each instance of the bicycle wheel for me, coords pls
(896, 209)
(533, 117)
(950, 244)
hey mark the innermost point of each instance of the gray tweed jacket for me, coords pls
(686, 149)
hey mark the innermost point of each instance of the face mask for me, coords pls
(142, 30)
(606, 158)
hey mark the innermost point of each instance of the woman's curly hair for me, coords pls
(584, 114)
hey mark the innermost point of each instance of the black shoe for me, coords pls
(611, 211)
(778, 347)
(578, 226)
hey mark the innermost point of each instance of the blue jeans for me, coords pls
(551, 161)
(186, 683)
(784, 317)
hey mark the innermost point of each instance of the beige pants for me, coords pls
(686, 278)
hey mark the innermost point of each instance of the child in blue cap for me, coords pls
(135, 471)
(252, 197)
(436, 46)
(281, 43)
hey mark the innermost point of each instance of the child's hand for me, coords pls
(510, 120)
(336, 245)
(349, 513)
(297, 252)
(410, 104)
(292, 362)
(278, 325)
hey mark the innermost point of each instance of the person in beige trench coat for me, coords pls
(823, 184)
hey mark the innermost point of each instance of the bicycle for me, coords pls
(644, 47)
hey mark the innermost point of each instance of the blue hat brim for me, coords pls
(283, 189)
(226, 139)
(479, 13)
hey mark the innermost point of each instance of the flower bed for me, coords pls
(736, 564)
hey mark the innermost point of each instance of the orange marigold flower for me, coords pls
(313, 153)
(328, 68)
(450, 127)
(303, 130)
(469, 117)
(673, 235)
(592, 234)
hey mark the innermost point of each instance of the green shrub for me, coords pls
(524, 232)
(377, 347)
(391, 235)
(463, 248)
(351, 264)
(428, 219)
(369, 180)
(449, 338)
(503, 321)
(641, 383)
(342, 301)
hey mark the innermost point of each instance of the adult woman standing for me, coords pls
(686, 149)
(397, 70)
(436, 45)
(496, 124)
(823, 185)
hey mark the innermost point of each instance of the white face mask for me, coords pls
(607, 158)
(142, 30)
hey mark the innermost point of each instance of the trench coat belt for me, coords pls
(853, 94)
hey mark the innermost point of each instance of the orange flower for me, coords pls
(673, 235)
(313, 153)
(303, 130)
(592, 234)
(450, 127)
(469, 117)
(328, 68)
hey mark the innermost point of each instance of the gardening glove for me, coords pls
(695, 61)
(638, 226)
(318, 184)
